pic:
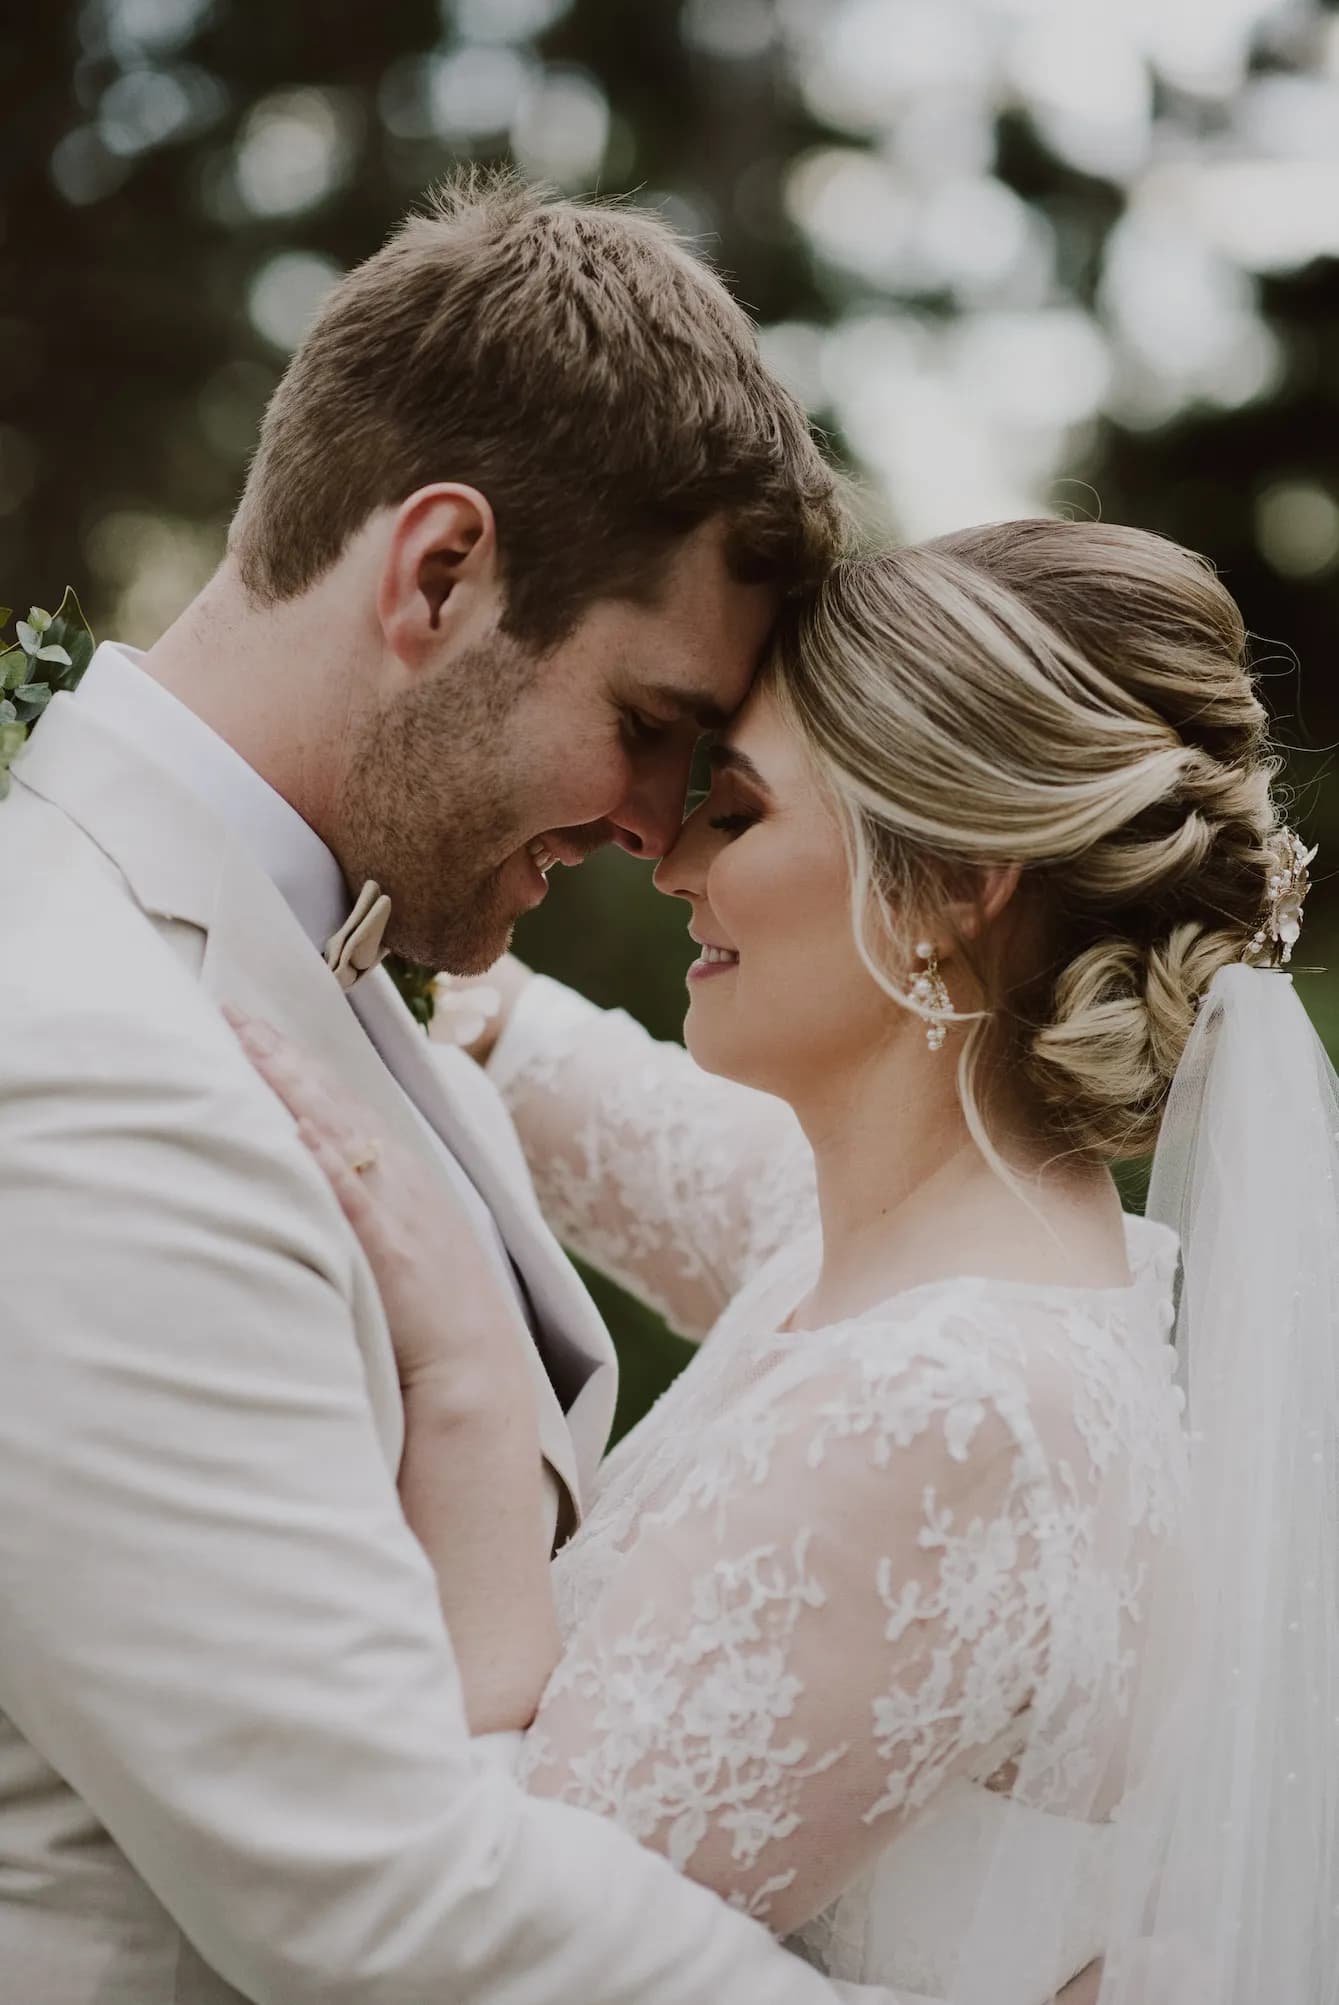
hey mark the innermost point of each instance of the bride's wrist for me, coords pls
(491, 1398)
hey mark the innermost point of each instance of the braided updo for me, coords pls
(1073, 698)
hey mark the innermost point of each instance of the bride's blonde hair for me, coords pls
(1073, 698)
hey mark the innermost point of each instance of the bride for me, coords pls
(913, 1619)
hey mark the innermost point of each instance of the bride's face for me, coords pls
(779, 996)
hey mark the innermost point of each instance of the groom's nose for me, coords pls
(647, 822)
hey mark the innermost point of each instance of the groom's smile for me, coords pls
(546, 851)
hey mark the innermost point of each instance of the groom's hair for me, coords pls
(573, 361)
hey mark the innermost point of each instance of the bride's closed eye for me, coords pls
(730, 824)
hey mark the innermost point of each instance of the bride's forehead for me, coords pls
(760, 732)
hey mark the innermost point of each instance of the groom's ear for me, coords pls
(439, 580)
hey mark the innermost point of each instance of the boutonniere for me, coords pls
(468, 1007)
(417, 986)
(50, 652)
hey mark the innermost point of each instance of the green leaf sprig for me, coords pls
(50, 653)
(417, 987)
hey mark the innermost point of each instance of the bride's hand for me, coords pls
(451, 1322)
(470, 1478)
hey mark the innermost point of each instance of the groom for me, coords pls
(521, 515)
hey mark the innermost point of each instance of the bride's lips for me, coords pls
(712, 960)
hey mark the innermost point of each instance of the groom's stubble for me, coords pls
(437, 802)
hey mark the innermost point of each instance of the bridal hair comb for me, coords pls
(1287, 886)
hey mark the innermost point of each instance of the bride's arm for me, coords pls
(675, 1183)
(843, 1605)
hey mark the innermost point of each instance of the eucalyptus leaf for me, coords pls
(6, 615)
(70, 630)
(417, 986)
(64, 641)
(31, 701)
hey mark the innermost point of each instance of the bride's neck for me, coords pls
(886, 1138)
(905, 1194)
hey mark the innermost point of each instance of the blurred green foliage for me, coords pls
(921, 178)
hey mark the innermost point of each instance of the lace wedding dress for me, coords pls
(854, 1612)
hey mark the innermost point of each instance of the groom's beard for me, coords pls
(432, 812)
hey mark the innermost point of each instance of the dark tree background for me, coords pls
(1010, 262)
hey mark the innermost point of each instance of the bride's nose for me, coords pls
(682, 870)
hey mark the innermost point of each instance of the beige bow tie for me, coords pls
(356, 949)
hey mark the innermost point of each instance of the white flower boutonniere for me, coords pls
(468, 1006)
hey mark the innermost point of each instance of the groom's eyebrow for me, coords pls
(706, 713)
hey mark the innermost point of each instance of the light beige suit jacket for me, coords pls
(233, 1755)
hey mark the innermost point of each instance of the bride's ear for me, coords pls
(992, 888)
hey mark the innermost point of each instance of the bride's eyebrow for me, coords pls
(723, 757)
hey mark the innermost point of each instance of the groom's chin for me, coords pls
(472, 932)
(460, 942)
(478, 958)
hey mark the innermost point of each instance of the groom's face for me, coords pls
(504, 762)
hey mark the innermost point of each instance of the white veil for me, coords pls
(1216, 1880)
(1226, 1884)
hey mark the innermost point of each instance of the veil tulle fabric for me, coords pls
(1227, 1884)
(1218, 1881)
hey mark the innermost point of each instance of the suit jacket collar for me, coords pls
(116, 692)
(182, 864)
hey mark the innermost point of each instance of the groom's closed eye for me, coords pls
(644, 730)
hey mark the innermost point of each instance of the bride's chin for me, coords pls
(710, 1052)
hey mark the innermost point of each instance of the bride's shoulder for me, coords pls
(972, 1363)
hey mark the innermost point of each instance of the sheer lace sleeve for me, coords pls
(863, 1580)
(677, 1184)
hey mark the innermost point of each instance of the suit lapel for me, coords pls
(438, 1080)
(182, 864)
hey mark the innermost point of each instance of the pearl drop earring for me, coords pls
(931, 991)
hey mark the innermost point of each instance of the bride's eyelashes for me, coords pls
(731, 823)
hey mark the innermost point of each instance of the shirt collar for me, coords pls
(116, 690)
